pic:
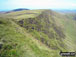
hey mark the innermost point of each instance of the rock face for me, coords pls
(0, 22)
(1, 44)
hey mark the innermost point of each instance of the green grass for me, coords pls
(69, 27)
(41, 35)
(18, 43)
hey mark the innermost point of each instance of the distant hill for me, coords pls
(66, 11)
(2, 11)
(20, 9)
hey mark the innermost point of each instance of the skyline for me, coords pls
(6, 5)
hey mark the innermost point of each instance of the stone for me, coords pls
(1, 44)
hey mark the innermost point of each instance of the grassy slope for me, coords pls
(20, 42)
(69, 27)
(17, 43)
(71, 31)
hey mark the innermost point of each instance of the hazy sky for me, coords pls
(37, 4)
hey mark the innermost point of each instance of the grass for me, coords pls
(69, 27)
(19, 43)
(31, 35)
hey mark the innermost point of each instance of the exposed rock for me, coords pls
(1, 44)
(1, 22)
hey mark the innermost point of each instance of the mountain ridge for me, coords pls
(35, 33)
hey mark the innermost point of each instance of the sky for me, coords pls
(37, 4)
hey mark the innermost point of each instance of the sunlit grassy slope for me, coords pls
(36, 33)
(69, 25)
